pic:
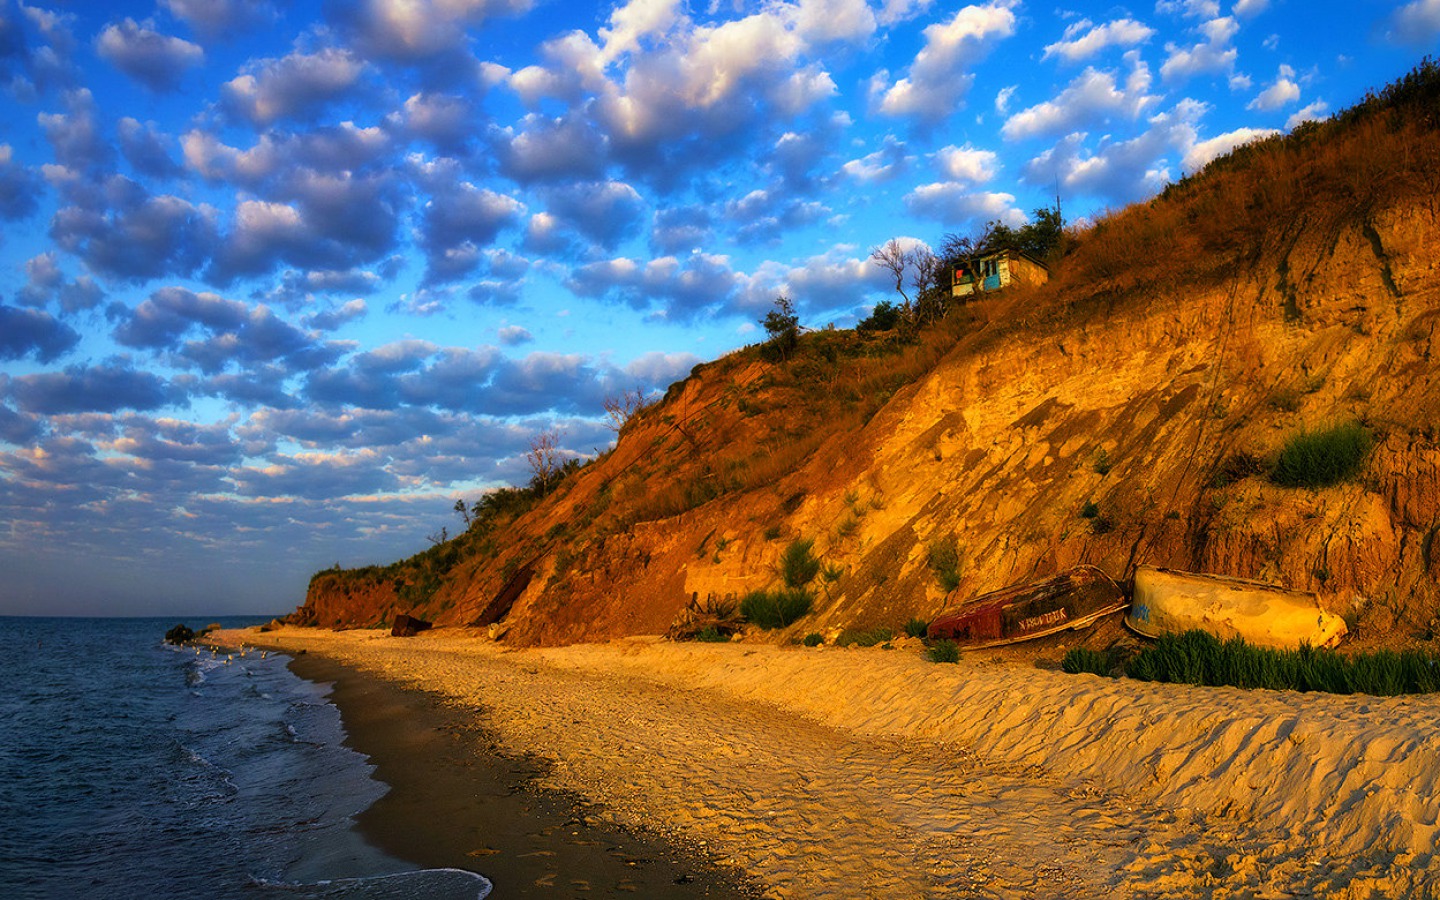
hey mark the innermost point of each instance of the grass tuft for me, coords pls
(1200, 658)
(943, 652)
(797, 566)
(916, 628)
(1322, 458)
(775, 609)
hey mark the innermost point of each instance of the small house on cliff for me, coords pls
(997, 270)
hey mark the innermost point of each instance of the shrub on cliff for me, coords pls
(1322, 458)
(797, 566)
(775, 609)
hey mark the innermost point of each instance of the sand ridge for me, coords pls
(869, 773)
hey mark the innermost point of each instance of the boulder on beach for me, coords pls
(408, 626)
(180, 634)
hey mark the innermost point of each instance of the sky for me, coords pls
(279, 282)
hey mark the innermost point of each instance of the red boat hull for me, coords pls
(1072, 599)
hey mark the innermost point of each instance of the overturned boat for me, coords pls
(1171, 602)
(1073, 599)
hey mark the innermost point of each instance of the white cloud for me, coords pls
(956, 203)
(1416, 23)
(968, 164)
(938, 78)
(514, 335)
(893, 12)
(155, 60)
(276, 88)
(1093, 95)
(1118, 171)
(1213, 55)
(1002, 99)
(1202, 153)
(1248, 8)
(1314, 112)
(1191, 9)
(1282, 92)
(884, 164)
(1084, 39)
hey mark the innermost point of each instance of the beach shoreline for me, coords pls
(455, 800)
(841, 773)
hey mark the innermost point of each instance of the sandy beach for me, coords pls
(844, 773)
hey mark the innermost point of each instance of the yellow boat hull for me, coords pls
(1171, 602)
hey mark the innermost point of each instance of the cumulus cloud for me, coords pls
(75, 136)
(1213, 55)
(603, 212)
(1416, 23)
(1084, 39)
(938, 79)
(1202, 153)
(414, 30)
(108, 387)
(514, 335)
(35, 334)
(151, 237)
(447, 121)
(295, 86)
(955, 203)
(221, 17)
(331, 319)
(231, 333)
(885, 164)
(967, 163)
(681, 228)
(676, 289)
(1282, 92)
(156, 60)
(1311, 113)
(458, 223)
(1119, 171)
(545, 149)
(1249, 8)
(1090, 98)
(19, 187)
(146, 149)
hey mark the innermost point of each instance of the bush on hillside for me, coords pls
(1322, 458)
(797, 566)
(775, 609)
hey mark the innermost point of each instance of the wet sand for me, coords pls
(869, 773)
(457, 801)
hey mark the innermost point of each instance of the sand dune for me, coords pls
(868, 773)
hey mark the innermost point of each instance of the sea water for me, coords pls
(132, 768)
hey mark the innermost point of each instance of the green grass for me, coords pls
(1083, 659)
(943, 652)
(916, 628)
(813, 639)
(711, 635)
(944, 557)
(1322, 458)
(797, 566)
(1199, 658)
(864, 638)
(775, 609)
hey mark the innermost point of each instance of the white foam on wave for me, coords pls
(433, 884)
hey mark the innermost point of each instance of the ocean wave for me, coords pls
(433, 884)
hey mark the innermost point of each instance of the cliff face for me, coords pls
(1115, 416)
(1131, 405)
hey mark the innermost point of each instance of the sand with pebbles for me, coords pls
(870, 773)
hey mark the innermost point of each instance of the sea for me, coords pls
(130, 768)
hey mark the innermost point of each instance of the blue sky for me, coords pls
(281, 281)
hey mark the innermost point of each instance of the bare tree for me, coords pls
(544, 458)
(463, 510)
(896, 259)
(621, 408)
